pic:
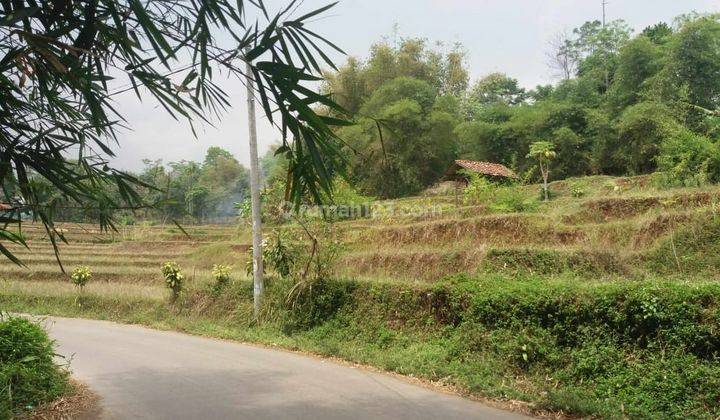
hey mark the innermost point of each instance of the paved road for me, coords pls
(143, 373)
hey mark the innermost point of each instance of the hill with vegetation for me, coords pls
(602, 301)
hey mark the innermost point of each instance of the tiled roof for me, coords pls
(486, 168)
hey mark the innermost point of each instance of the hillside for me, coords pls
(596, 225)
(602, 301)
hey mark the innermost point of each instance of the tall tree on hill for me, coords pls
(58, 71)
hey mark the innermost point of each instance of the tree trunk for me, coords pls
(255, 196)
(544, 172)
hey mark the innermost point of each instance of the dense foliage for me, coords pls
(625, 105)
(28, 374)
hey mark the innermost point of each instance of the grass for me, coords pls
(601, 304)
(645, 349)
(29, 377)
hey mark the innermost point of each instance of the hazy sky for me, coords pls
(500, 35)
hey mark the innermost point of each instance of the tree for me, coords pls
(641, 129)
(226, 181)
(658, 33)
(695, 60)
(354, 83)
(497, 88)
(638, 61)
(60, 62)
(563, 57)
(595, 47)
(543, 152)
(415, 144)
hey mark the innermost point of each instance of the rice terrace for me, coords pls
(388, 226)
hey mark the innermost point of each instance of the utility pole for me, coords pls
(254, 194)
(607, 72)
(604, 3)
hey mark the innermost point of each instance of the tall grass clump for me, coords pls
(28, 374)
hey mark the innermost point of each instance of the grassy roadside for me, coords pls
(29, 375)
(617, 349)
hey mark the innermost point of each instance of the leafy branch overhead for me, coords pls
(64, 62)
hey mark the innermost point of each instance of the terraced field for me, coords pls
(126, 262)
(617, 227)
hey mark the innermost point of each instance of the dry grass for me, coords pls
(80, 404)
(52, 288)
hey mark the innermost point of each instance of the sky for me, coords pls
(510, 36)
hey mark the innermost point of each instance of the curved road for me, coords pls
(144, 373)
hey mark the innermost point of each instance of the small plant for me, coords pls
(173, 278)
(577, 190)
(80, 276)
(478, 188)
(278, 254)
(221, 274)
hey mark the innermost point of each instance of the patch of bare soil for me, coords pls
(80, 404)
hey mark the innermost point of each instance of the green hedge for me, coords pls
(637, 349)
(28, 374)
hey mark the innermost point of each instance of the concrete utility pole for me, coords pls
(254, 195)
(604, 3)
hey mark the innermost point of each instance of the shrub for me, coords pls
(173, 279)
(479, 189)
(28, 374)
(279, 254)
(688, 159)
(221, 274)
(512, 200)
(81, 275)
(577, 190)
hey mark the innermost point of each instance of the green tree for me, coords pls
(641, 129)
(415, 144)
(498, 88)
(226, 181)
(544, 153)
(638, 61)
(695, 63)
(658, 33)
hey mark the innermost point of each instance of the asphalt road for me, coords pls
(146, 374)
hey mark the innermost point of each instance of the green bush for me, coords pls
(221, 274)
(512, 200)
(80, 276)
(172, 273)
(28, 374)
(688, 159)
(312, 302)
